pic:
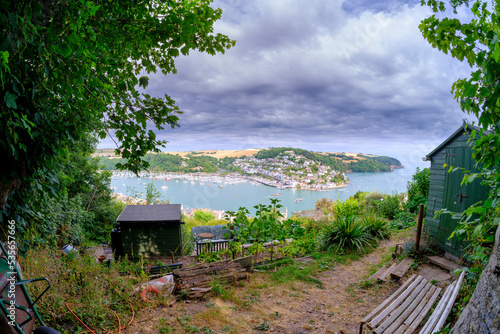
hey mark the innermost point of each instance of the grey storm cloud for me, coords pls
(323, 75)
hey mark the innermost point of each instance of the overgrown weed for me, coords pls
(89, 288)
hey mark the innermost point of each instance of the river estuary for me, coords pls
(230, 195)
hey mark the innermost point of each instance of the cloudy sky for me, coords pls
(325, 75)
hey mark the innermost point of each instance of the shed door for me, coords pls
(458, 197)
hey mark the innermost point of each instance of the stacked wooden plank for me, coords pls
(396, 271)
(194, 282)
(405, 309)
(402, 268)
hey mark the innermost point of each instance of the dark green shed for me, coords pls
(151, 230)
(446, 189)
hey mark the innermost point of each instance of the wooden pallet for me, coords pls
(405, 309)
(379, 273)
(438, 317)
(194, 282)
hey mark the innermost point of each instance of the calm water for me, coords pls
(233, 196)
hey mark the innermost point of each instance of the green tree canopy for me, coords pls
(203, 216)
(70, 68)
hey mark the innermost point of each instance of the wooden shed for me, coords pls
(446, 189)
(151, 230)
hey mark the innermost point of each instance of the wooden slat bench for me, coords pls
(405, 309)
(211, 246)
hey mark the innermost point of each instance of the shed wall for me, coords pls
(443, 189)
(152, 239)
(436, 193)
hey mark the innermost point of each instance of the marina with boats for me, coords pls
(229, 192)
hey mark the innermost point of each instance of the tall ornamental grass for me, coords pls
(344, 234)
(377, 226)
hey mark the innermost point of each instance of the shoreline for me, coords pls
(231, 178)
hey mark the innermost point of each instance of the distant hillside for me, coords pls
(211, 161)
(219, 154)
(339, 161)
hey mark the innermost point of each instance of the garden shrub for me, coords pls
(373, 196)
(268, 224)
(348, 208)
(389, 206)
(203, 216)
(360, 195)
(325, 206)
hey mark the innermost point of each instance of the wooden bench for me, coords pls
(405, 309)
(211, 246)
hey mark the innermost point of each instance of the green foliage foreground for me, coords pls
(477, 42)
(343, 234)
(347, 232)
(79, 210)
(69, 69)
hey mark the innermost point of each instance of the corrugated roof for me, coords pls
(150, 213)
(465, 128)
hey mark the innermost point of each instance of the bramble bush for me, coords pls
(348, 208)
(418, 190)
(403, 220)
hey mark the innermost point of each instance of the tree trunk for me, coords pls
(482, 313)
(6, 190)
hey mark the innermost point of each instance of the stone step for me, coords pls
(443, 263)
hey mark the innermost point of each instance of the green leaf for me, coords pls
(143, 81)
(173, 52)
(10, 100)
(496, 53)
(65, 50)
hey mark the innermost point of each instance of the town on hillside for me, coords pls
(291, 170)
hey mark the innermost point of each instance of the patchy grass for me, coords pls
(294, 272)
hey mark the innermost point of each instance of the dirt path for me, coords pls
(297, 307)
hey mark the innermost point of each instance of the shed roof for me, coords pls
(151, 213)
(465, 128)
